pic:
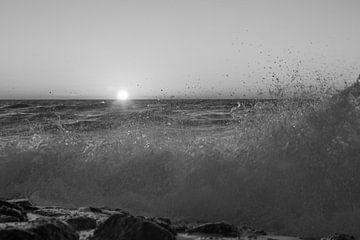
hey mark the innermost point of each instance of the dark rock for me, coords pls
(39, 230)
(24, 203)
(338, 236)
(260, 232)
(52, 207)
(165, 220)
(91, 209)
(220, 228)
(52, 212)
(125, 227)
(112, 212)
(251, 232)
(7, 219)
(84, 209)
(95, 209)
(11, 205)
(165, 223)
(82, 223)
(12, 212)
(119, 210)
(21, 202)
(122, 211)
(18, 234)
(102, 211)
(180, 228)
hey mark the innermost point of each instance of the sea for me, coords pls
(16, 116)
(288, 166)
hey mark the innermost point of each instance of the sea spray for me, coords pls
(288, 165)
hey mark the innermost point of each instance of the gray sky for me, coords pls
(181, 48)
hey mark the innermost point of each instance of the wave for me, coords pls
(289, 166)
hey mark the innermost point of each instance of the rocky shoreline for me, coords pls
(20, 219)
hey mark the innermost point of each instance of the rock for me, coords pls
(112, 212)
(165, 223)
(260, 232)
(251, 232)
(104, 211)
(84, 209)
(122, 211)
(52, 212)
(18, 234)
(95, 209)
(11, 205)
(38, 230)
(220, 228)
(85, 235)
(52, 207)
(180, 228)
(24, 203)
(12, 212)
(165, 220)
(82, 223)
(338, 236)
(124, 227)
(90, 209)
(7, 219)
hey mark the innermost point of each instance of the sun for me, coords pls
(122, 95)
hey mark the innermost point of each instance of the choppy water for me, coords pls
(287, 166)
(91, 115)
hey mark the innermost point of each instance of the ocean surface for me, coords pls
(91, 115)
(286, 166)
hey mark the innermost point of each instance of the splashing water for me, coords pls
(288, 165)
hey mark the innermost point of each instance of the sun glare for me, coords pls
(122, 95)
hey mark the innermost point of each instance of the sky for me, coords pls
(172, 48)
